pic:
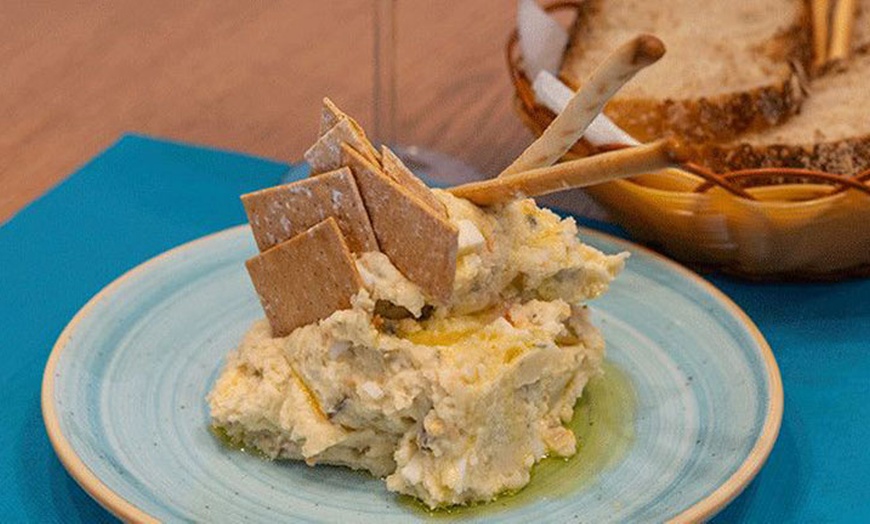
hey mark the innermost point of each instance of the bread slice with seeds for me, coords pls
(832, 131)
(730, 67)
(831, 134)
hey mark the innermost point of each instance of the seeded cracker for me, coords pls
(325, 154)
(306, 278)
(330, 114)
(279, 213)
(337, 127)
(395, 169)
(419, 242)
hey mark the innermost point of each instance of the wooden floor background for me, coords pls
(240, 75)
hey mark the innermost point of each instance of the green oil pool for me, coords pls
(235, 443)
(604, 425)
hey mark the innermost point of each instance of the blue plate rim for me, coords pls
(702, 510)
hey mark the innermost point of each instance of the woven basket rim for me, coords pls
(735, 182)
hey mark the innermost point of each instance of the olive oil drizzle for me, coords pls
(603, 423)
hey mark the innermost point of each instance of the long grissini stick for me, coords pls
(820, 10)
(576, 173)
(564, 131)
(841, 30)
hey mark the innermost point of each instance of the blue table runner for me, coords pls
(143, 196)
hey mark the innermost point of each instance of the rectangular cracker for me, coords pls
(330, 117)
(337, 114)
(396, 169)
(280, 213)
(419, 242)
(306, 278)
(325, 154)
(330, 114)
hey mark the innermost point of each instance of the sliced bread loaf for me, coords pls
(861, 27)
(831, 133)
(731, 66)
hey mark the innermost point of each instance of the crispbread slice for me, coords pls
(331, 115)
(396, 169)
(419, 242)
(306, 278)
(325, 154)
(279, 213)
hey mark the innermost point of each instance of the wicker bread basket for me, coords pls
(773, 223)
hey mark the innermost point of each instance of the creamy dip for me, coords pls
(449, 403)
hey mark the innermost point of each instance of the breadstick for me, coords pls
(820, 11)
(576, 173)
(841, 30)
(569, 125)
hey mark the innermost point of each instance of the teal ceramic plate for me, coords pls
(123, 401)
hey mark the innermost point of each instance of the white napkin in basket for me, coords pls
(542, 43)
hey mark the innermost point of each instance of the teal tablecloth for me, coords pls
(144, 196)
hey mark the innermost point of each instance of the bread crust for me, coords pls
(716, 118)
(850, 156)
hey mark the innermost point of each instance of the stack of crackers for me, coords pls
(357, 200)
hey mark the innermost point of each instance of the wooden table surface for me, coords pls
(245, 76)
